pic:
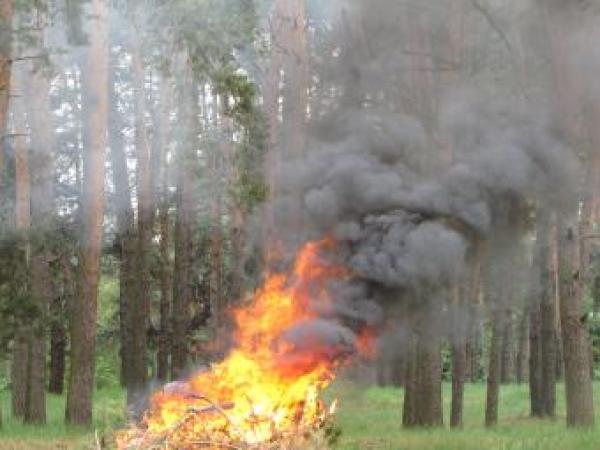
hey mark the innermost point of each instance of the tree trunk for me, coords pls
(548, 316)
(535, 358)
(6, 38)
(125, 232)
(82, 326)
(58, 334)
(429, 381)
(507, 355)
(493, 379)
(523, 347)
(20, 352)
(578, 383)
(459, 362)
(459, 359)
(166, 284)
(140, 309)
(184, 233)
(42, 211)
(409, 411)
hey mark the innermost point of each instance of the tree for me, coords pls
(164, 219)
(20, 350)
(82, 324)
(185, 224)
(139, 310)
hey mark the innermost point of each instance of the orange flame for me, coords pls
(264, 388)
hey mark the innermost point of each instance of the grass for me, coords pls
(369, 418)
(14, 435)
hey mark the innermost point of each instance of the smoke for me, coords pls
(408, 195)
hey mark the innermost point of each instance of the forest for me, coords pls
(299, 224)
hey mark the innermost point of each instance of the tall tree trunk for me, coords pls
(140, 309)
(578, 383)
(271, 95)
(164, 219)
(184, 231)
(42, 211)
(548, 316)
(493, 378)
(125, 232)
(535, 358)
(82, 325)
(20, 351)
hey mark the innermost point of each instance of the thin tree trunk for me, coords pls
(166, 284)
(83, 314)
(459, 360)
(507, 354)
(493, 379)
(459, 363)
(535, 358)
(58, 334)
(548, 317)
(523, 347)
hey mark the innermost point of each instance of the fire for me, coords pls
(267, 389)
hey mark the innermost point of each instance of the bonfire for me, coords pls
(266, 393)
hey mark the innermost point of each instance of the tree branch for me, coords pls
(492, 22)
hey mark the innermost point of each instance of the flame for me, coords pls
(266, 387)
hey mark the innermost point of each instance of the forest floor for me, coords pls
(369, 419)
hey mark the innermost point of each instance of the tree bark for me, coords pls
(6, 38)
(409, 411)
(82, 325)
(459, 359)
(58, 333)
(535, 358)
(548, 316)
(578, 383)
(140, 309)
(493, 379)
(125, 232)
(184, 233)
(523, 347)
(42, 211)
(459, 363)
(507, 354)
(166, 284)
(20, 351)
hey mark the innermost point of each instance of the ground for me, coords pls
(369, 418)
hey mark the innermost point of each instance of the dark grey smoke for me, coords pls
(373, 180)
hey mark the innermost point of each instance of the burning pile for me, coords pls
(265, 393)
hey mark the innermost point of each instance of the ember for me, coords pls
(265, 393)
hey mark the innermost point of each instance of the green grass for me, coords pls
(108, 414)
(369, 418)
